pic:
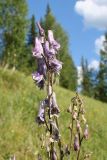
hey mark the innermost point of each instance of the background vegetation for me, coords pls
(19, 134)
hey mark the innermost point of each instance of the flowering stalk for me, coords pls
(78, 126)
(45, 51)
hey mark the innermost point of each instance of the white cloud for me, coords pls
(99, 44)
(94, 12)
(94, 64)
(79, 71)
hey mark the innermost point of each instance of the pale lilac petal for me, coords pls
(49, 51)
(41, 115)
(37, 77)
(52, 41)
(38, 49)
(55, 66)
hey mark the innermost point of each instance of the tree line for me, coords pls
(18, 36)
(94, 82)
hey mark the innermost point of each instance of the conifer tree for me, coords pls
(102, 74)
(68, 77)
(32, 32)
(13, 24)
(86, 78)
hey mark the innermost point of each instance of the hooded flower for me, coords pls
(37, 50)
(49, 51)
(42, 67)
(37, 77)
(55, 65)
(54, 43)
(76, 143)
(54, 107)
(41, 117)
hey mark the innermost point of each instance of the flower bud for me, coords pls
(78, 126)
(69, 110)
(76, 143)
(86, 134)
(74, 115)
(41, 30)
(83, 118)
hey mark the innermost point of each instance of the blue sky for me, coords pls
(81, 31)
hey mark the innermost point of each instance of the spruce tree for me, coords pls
(32, 31)
(102, 74)
(13, 24)
(86, 84)
(68, 77)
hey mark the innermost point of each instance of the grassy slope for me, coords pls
(19, 134)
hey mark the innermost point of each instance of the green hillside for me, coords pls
(19, 134)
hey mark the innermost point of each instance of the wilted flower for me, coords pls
(76, 143)
(86, 134)
(67, 152)
(54, 106)
(55, 131)
(54, 43)
(39, 157)
(55, 66)
(37, 50)
(54, 156)
(49, 51)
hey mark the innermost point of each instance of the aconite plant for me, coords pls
(45, 52)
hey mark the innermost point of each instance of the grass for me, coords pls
(19, 134)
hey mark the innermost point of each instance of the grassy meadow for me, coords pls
(19, 134)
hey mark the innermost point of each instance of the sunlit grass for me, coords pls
(19, 134)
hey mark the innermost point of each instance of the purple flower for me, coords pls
(42, 67)
(37, 50)
(86, 134)
(55, 65)
(49, 51)
(76, 143)
(41, 115)
(54, 43)
(37, 77)
(41, 30)
(54, 107)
